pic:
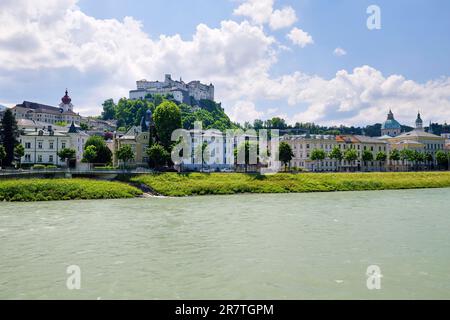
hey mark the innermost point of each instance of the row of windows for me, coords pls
(40, 145)
(40, 158)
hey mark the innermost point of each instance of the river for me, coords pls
(287, 246)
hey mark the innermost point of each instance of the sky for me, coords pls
(303, 60)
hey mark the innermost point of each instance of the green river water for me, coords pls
(285, 246)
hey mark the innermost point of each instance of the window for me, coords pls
(50, 158)
(50, 145)
(27, 145)
(63, 145)
(27, 158)
(40, 145)
(39, 158)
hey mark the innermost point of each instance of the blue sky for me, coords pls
(403, 66)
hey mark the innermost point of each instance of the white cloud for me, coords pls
(339, 52)
(261, 12)
(283, 18)
(300, 37)
(244, 111)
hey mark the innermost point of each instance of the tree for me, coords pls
(394, 155)
(285, 154)
(336, 154)
(167, 119)
(157, 155)
(442, 159)
(351, 155)
(109, 110)
(318, 155)
(381, 156)
(407, 155)
(19, 152)
(67, 154)
(103, 154)
(90, 154)
(8, 136)
(84, 126)
(125, 153)
(367, 156)
(203, 153)
(2, 155)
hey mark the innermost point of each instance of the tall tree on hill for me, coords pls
(8, 136)
(109, 110)
(167, 118)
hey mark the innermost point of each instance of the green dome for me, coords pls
(391, 124)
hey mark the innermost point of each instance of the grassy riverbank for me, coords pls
(172, 184)
(63, 189)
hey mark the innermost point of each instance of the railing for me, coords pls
(9, 172)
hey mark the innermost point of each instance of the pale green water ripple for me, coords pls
(287, 246)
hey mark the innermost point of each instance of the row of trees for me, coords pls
(413, 157)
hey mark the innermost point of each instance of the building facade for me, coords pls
(181, 91)
(42, 145)
(47, 114)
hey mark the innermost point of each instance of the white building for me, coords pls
(42, 145)
(181, 91)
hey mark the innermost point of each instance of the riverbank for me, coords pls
(64, 189)
(177, 185)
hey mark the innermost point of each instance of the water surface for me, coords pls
(287, 246)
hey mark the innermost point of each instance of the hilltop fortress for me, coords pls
(181, 91)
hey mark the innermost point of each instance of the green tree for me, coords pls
(366, 157)
(442, 159)
(351, 156)
(381, 156)
(109, 110)
(318, 155)
(67, 154)
(394, 155)
(19, 152)
(8, 136)
(2, 155)
(125, 154)
(158, 155)
(167, 118)
(285, 154)
(84, 126)
(103, 154)
(90, 154)
(336, 154)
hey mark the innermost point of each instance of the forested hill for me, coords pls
(130, 112)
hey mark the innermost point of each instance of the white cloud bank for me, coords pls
(53, 39)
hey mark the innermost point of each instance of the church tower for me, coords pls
(419, 122)
(66, 103)
(391, 127)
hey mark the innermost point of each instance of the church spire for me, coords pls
(419, 122)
